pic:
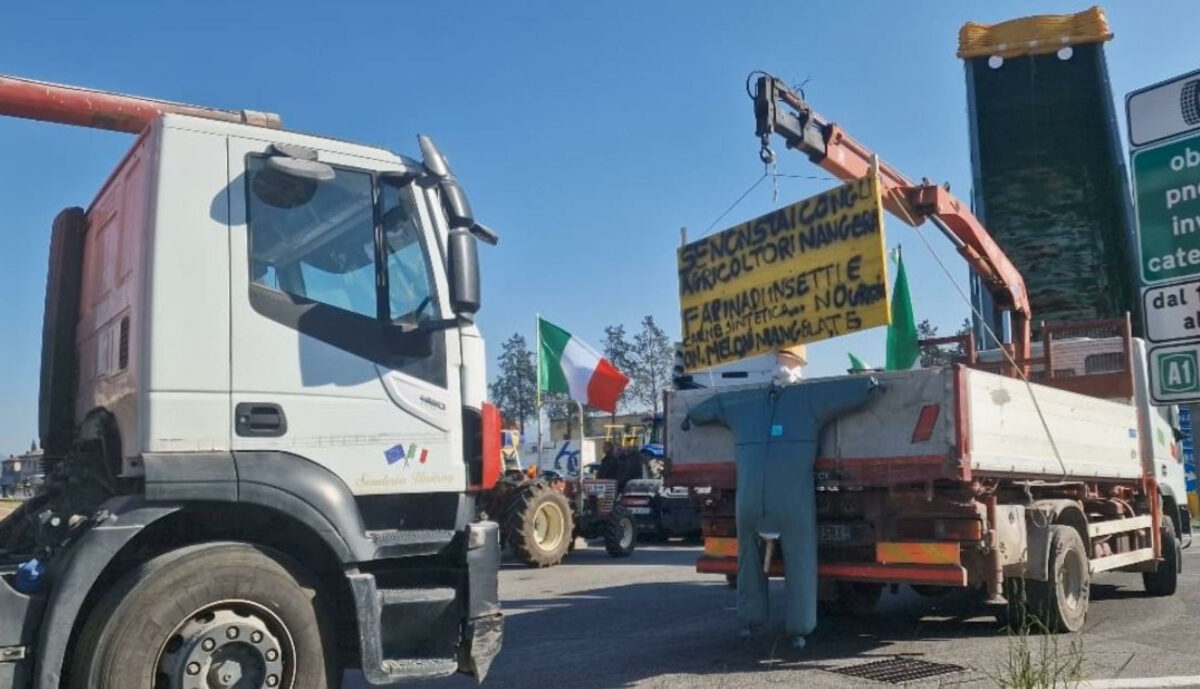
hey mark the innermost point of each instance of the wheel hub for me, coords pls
(548, 526)
(227, 646)
(1070, 581)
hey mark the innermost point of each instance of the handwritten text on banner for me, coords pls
(806, 272)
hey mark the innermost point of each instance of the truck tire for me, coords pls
(1164, 580)
(539, 525)
(620, 533)
(1061, 602)
(253, 614)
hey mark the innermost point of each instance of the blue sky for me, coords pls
(586, 133)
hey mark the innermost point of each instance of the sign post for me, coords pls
(809, 271)
(1164, 134)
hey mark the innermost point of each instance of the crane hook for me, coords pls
(766, 155)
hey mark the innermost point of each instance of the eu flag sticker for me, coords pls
(394, 454)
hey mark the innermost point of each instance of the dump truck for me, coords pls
(263, 413)
(1022, 471)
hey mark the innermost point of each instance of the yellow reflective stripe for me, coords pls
(720, 547)
(918, 553)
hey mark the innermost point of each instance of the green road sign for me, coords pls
(1166, 182)
(1175, 373)
(1178, 373)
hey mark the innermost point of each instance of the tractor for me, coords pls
(542, 511)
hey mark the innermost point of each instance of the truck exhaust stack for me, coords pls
(82, 107)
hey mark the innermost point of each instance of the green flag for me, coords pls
(902, 349)
(858, 365)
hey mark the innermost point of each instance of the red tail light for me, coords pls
(926, 420)
(492, 462)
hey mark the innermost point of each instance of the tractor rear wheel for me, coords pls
(539, 525)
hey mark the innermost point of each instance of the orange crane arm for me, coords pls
(74, 105)
(779, 110)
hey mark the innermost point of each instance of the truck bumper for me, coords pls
(450, 623)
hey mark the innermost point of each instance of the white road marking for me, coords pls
(1139, 682)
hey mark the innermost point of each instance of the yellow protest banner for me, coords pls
(806, 272)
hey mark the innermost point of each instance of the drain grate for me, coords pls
(898, 670)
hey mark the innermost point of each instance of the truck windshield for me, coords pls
(317, 240)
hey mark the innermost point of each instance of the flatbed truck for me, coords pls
(1021, 470)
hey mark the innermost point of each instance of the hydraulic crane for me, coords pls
(83, 107)
(780, 110)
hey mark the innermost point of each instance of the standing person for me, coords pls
(26, 488)
(6, 482)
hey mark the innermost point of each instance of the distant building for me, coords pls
(21, 467)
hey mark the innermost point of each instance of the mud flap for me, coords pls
(484, 636)
(483, 632)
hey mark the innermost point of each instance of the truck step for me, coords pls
(407, 536)
(396, 542)
(418, 668)
(416, 596)
(406, 633)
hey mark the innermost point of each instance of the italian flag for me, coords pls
(567, 365)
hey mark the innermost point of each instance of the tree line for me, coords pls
(647, 358)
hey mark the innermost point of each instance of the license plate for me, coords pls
(639, 510)
(833, 533)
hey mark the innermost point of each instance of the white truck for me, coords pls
(963, 477)
(262, 410)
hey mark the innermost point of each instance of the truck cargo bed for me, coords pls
(944, 423)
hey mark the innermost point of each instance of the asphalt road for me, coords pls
(651, 621)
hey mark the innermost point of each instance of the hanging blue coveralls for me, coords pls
(776, 431)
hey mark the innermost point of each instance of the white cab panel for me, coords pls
(186, 368)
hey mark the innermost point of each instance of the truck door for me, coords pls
(322, 274)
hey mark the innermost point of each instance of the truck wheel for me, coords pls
(1164, 580)
(620, 533)
(539, 525)
(208, 615)
(1061, 603)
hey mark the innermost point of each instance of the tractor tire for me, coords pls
(226, 612)
(539, 525)
(1164, 580)
(620, 533)
(1061, 603)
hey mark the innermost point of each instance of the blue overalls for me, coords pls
(776, 432)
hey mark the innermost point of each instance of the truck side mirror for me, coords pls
(454, 202)
(463, 272)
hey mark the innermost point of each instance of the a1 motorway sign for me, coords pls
(1175, 373)
(1164, 133)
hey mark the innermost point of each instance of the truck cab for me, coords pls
(263, 412)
